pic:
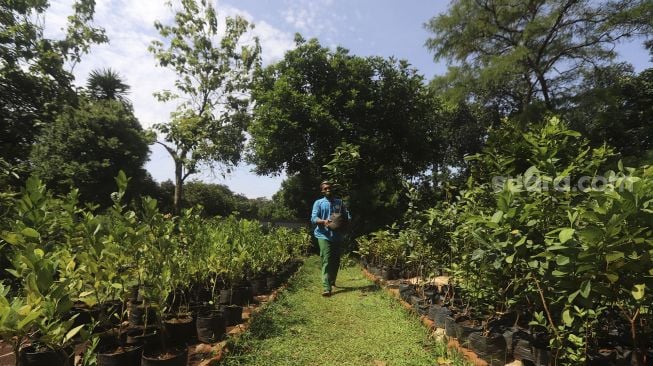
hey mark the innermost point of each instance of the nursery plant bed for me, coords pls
(202, 354)
(440, 281)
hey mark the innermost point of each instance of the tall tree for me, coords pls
(107, 84)
(511, 54)
(616, 107)
(217, 199)
(213, 76)
(35, 83)
(315, 100)
(88, 145)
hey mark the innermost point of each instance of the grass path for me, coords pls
(359, 325)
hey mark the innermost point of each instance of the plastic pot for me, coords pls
(415, 301)
(406, 290)
(259, 286)
(464, 328)
(45, 356)
(149, 338)
(170, 357)
(376, 271)
(389, 274)
(524, 351)
(433, 309)
(83, 315)
(233, 314)
(491, 348)
(430, 295)
(423, 308)
(240, 295)
(450, 326)
(440, 316)
(210, 326)
(127, 356)
(179, 330)
(272, 281)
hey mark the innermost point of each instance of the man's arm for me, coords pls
(315, 219)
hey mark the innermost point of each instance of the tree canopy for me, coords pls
(106, 84)
(513, 54)
(615, 107)
(87, 146)
(213, 75)
(319, 98)
(35, 83)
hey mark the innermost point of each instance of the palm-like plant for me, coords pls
(107, 84)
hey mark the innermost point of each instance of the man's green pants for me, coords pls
(330, 254)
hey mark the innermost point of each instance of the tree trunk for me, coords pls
(545, 89)
(179, 187)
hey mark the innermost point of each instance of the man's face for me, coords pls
(326, 190)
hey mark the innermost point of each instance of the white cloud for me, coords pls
(312, 17)
(143, 13)
(274, 42)
(130, 28)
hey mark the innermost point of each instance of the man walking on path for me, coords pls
(328, 238)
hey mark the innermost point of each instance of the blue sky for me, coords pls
(365, 27)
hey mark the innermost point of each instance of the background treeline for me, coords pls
(219, 200)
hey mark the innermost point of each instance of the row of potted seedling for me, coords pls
(525, 240)
(68, 265)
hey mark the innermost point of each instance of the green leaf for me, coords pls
(638, 291)
(566, 234)
(612, 277)
(13, 238)
(614, 256)
(33, 315)
(71, 333)
(13, 272)
(562, 260)
(496, 218)
(591, 234)
(572, 297)
(528, 175)
(567, 318)
(556, 247)
(510, 258)
(585, 289)
(30, 233)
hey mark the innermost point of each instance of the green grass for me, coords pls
(359, 325)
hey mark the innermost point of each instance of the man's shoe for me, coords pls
(326, 293)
